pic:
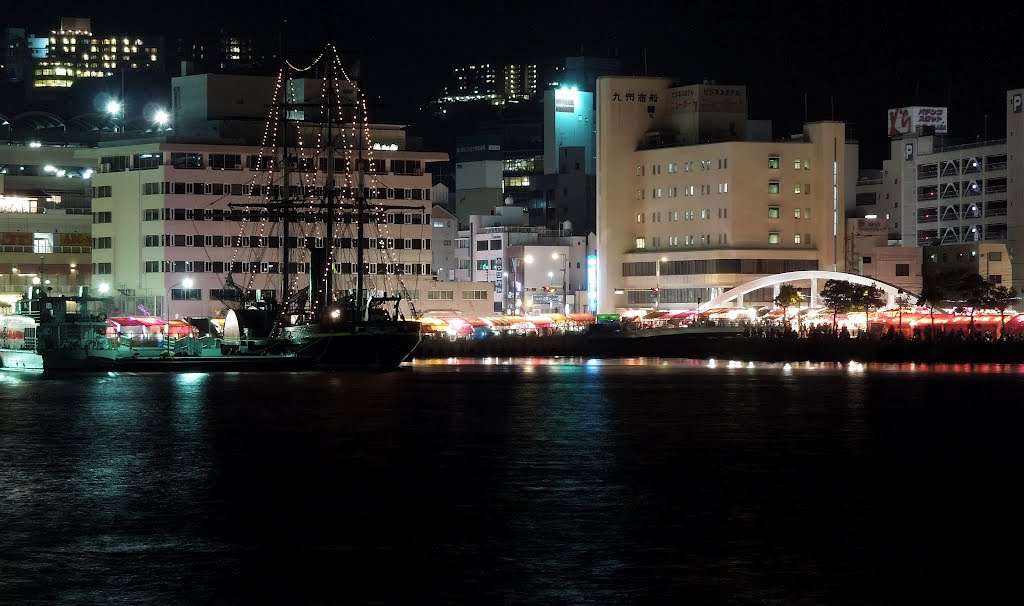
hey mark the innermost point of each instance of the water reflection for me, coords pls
(509, 480)
(680, 363)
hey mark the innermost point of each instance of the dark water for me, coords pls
(536, 482)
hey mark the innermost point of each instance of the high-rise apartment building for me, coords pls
(224, 52)
(74, 52)
(520, 82)
(516, 82)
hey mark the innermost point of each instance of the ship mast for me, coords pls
(285, 200)
(360, 211)
(329, 203)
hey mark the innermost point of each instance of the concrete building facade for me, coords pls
(687, 206)
(936, 191)
(45, 221)
(871, 253)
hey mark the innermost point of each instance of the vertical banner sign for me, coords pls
(592, 283)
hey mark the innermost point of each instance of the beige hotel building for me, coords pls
(693, 200)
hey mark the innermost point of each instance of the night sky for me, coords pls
(851, 60)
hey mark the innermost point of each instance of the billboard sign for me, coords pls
(709, 98)
(905, 120)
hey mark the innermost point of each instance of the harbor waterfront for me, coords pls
(518, 481)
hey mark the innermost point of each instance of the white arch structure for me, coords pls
(778, 280)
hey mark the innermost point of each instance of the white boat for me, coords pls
(55, 333)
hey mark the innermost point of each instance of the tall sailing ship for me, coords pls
(345, 263)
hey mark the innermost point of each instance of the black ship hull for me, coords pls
(380, 345)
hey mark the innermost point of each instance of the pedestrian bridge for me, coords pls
(777, 280)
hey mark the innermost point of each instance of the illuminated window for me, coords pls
(796, 164)
(773, 237)
(773, 161)
(641, 243)
(796, 213)
(773, 212)
(796, 239)
(773, 187)
(796, 188)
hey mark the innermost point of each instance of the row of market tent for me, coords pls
(458, 327)
(144, 329)
(906, 321)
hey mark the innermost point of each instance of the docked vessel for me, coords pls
(321, 256)
(55, 333)
(72, 333)
(348, 313)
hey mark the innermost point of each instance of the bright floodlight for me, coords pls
(104, 288)
(187, 282)
(161, 117)
(554, 255)
(113, 107)
(528, 258)
(50, 168)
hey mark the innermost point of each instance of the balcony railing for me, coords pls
(11, 248)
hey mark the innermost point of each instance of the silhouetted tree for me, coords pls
(1000, 298)
(838, 296)
(789, 296)
(972, 291)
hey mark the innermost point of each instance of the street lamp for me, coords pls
(187, 283)
(657, 280)
(114, 109)
(565, 261)
(527, 260)
(161, 117)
